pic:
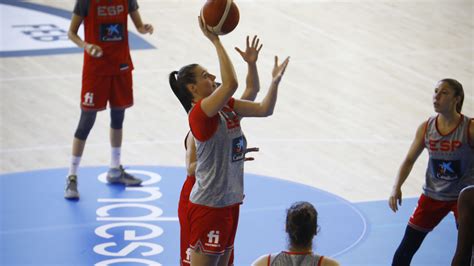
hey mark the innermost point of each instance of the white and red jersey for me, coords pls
(105, 25)
(220, 150)
(451, 160)
(288, 258)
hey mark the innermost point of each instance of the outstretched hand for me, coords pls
(254, 149)
(251, 51)
(279, 70)
(209, 34)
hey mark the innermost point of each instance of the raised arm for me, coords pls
(264, 108)
(214, 102)
(413, 153)
(251, 56)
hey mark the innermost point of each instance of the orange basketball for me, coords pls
(220, 16)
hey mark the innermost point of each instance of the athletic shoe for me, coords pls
(119, 176)
(71, 188)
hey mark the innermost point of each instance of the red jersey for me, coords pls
(106, 26)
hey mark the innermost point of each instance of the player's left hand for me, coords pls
(146, 28)
(254, 149)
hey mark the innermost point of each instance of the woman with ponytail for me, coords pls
(301, 227)
(449, 139)
(214, 119)
(250, 56)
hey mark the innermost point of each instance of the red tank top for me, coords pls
(106, 26)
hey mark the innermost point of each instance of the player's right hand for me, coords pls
(395, 199)
(93, 50)
(209, 34)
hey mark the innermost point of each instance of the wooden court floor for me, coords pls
(360, 81)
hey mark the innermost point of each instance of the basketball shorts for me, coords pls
(429, 213)
(212, 230)
(98, 90)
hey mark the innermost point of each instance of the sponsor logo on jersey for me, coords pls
(446, 170)
(238, 148)
(111, 32)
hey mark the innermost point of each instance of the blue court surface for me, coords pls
(113, 225)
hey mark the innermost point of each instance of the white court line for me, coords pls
(266, 140)
(358, 240)
(364, 231)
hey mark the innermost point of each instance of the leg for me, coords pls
(198, 259)
(86, 122)
(116, 173)
(427, 216)
(224, 259)
(410, 243)
(117, 117)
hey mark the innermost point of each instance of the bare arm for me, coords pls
(190, 155)
(264, 108)
(91, 49)
(139, 25)
(414, 152)
(251, 56)
(214, 102)
(465, 221)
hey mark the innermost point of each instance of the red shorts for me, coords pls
(429, 212)
(98, 90)
(212, 230)
(183, 219)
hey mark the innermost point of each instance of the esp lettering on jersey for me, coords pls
(110, 11)
(444, 145)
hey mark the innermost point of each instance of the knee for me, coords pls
(86, 122)
(116, 118)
